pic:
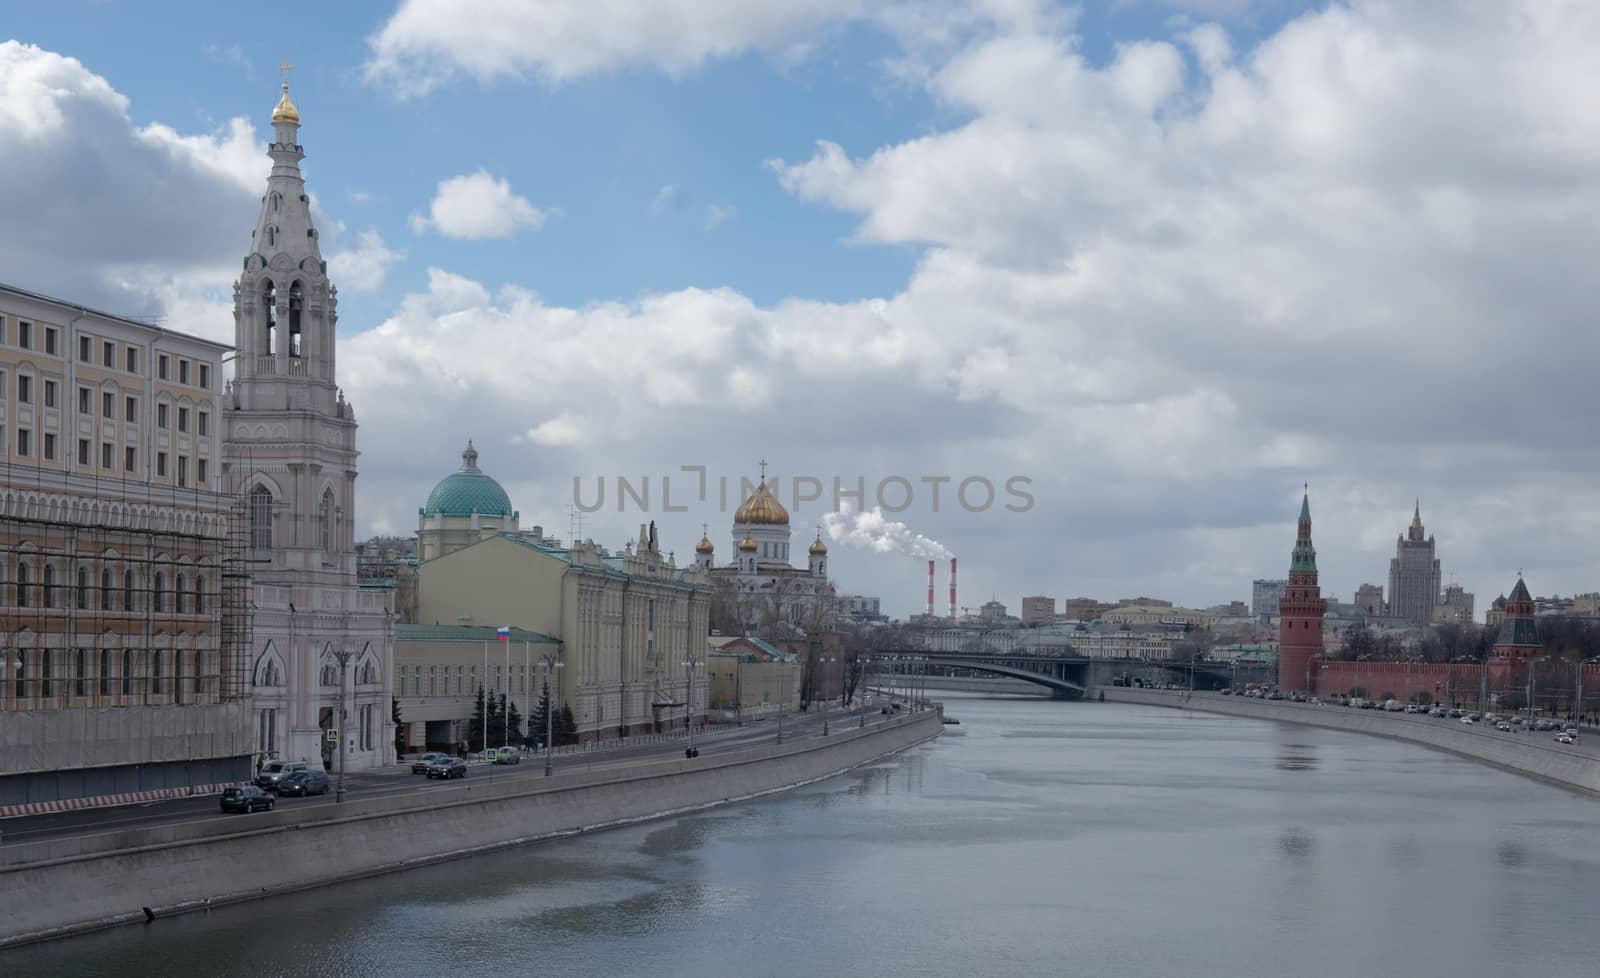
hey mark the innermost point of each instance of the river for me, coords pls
(1041, 838)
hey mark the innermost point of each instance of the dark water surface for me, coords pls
(1044, 839)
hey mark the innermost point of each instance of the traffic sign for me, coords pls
(333, 736)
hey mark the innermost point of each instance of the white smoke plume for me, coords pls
(873, 531)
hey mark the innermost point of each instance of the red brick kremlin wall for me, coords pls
(1555, 683)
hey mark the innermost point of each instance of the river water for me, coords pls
(1043, 838)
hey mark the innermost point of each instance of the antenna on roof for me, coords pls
(574, 523)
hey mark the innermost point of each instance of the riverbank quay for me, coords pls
(64, 886)
(1531, 755)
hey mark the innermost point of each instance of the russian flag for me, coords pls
(503, 633)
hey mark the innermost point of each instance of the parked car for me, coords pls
(1502, 725)
(1468, 720)
(507, 755)
(447, 768)
(275, 771)
(1227, 691)
(420, 765)
(304, 783)
(246, 798)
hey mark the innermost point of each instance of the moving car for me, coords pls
(1468, 720)
(304, 783)
(507, 755)
(420, 765)
(447, 768)
(1502, 725)
(1565, 738)
(274, 772)
(246, 798)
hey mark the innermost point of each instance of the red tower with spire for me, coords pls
(1301, 609)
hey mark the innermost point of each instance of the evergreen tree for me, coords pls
(541, 714)
(399, 730)
(566, 726)
(475, 726)
(515, 717)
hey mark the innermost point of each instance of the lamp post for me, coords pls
(783, 691)
(550, 667)
(342, 656)
(823, 700)
(688, 709)
(1577, 705)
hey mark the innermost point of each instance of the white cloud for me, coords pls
(718, 213)
(360, 196)
(361, 267)
(665, 199)
(477, 205)
(428, 42)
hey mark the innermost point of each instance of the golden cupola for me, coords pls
(704, 546)
(818, 548)
(761, 509)
(747, 545)
(285, 111)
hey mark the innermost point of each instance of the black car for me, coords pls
(246, 798)
(304, 783)
(448, 767)
(421, 764)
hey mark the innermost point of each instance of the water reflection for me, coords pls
(1052, 838)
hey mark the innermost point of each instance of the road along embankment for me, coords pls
(58, 887)
(1524, 754)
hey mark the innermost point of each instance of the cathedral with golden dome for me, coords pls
(760, 580)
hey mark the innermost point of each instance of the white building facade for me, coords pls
(290, 452)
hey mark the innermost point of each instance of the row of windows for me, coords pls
(49, 452)
(188, 595)
(260, 520)
(108, 353)
(108, 405)
(105, 672)
(440, 681)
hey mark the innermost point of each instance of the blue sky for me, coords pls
(1169, 258)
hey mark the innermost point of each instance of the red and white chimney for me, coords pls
(952, 589)
(930, 589)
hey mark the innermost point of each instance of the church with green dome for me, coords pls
(465, 507)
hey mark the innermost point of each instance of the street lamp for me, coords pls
(688, 709)
(1577, 706)
(550, 666)
(823, 700)
(342, 656)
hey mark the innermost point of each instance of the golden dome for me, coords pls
(704, 546)
(762, 508)
(285, 111)
(818, 548)
(747, 545)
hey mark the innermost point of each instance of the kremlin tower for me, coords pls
(1300, 610)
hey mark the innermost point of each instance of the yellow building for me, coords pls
(750, 678)
(463, 508)
(627, 622)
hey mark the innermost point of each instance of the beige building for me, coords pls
(1163, 614)
(462, 509)
(626, 621)
(122, 635)
(750, 678)
(1038, 610)
(438, 670)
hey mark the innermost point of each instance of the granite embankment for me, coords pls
(1535, 757)
(59, 887)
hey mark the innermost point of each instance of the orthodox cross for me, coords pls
(284, 69)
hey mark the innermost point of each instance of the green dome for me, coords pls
(468, 491)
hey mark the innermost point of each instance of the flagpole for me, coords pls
(527, 684)
(505, 727)
(484, 691)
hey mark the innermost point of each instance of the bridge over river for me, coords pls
(1068, 676)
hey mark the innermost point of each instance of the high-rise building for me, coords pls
(1265, 595)
(1456, 608)
(119, 668)
(1038, 610)
(1301, 610)
(1414, 574)
(291, 455)
(1369, 598)
(1083, 609)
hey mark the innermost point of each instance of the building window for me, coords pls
(200, 473)
(183, 371)
(23, 690)
(110, 355)
(183, 419)
(105, 672)
(177, 676)
(205, 378)
(47, 671)
(157, 601)
(24, 389)
(83, 589)
(23, 587)
(50, 394)
(25, 335)
(49, 586)
(294, 321)
(161, 464)
(50, 341)
(161, 416)
(127, 672)
(260, 518)
(83, 452)
(108, 595)
(199, 595)
(127, 591)
(49, 446)
(183, 470)
(161, 366)
(108, 406)
(80, 673)
(83, 348)
(106, 460)
(325, 520)
(199, 673)
(130, 411)
(433, 680)
(155, 671)
(133, 360)
(127, 458)
(178, 595)
(201, 427)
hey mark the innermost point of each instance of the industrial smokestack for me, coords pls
(952, 589)
(930, 589)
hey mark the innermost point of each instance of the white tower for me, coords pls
(819, 557)
(290, 452)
